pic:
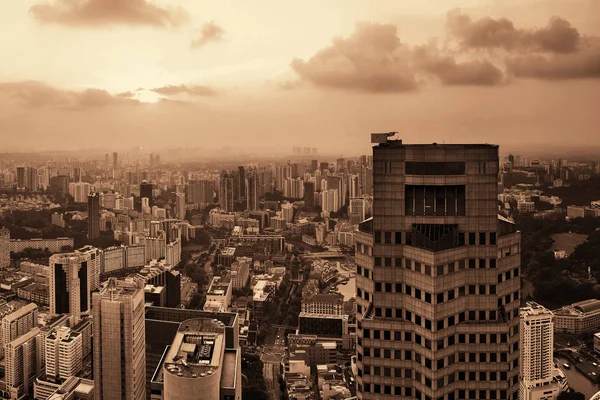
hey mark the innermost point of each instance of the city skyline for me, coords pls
(252, 73)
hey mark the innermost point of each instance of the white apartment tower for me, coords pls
(537, 347)
(17, 324)
(63, 353)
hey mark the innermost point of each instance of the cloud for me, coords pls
(107, 12)
(372, 59)
(289, 84)
(209, 33)
(585, 63)
(485, 51)
(37, 94)
(558, 36)
(449, 71)
(192, 90)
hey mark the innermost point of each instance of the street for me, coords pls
(271, 356)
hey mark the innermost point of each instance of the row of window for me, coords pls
(461, 376)
(387, 237)
(422, 295)
(482, 315)
(507, 275)
(451, 340)
(410, 393)
(416, 266)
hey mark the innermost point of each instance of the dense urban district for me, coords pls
(415, 271)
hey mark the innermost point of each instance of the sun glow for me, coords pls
(147, 96)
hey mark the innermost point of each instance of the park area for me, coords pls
(567, 241)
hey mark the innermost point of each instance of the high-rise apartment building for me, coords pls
(146, 192)
(63, 354)
(252, 189)
(70, 282)
(18, 319)
(309, 194)
(4, 248)
(21, 178)
(537, 349)
(180, 205)
(201, 191)
(23, 363)
(32, 178)
(115, 157)
(242, 180)
(438, 279)
(226, 191)
(93, 215)
(119, 341)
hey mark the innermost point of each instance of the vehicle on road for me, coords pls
(567, 366)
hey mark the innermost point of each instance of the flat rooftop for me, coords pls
(197, 350)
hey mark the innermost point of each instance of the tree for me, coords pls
(571, 395)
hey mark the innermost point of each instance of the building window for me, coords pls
(471, 238)
(482, 238)
(434, 200)
(388, 237)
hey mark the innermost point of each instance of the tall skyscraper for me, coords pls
(21, 178)
(70, 282)
(438, 279)
(537, 349)
(93, 215)
(4, 248)
(146, 192)
(32, 178)
(242, 180)
(119, 340)
(226, 191)
(180, 205)
(94, 264)
(309, 194)
(252, 188)
(115, 156)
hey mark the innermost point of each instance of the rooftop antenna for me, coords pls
(382, 137)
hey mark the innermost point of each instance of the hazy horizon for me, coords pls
(192, 74)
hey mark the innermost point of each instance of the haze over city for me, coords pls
(267, 74)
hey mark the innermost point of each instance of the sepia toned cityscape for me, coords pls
(275, 200)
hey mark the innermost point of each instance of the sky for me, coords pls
(267, 75)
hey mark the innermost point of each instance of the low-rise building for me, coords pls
(578, 318)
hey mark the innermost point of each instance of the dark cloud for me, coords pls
(192, 90)
(38, 94)
(372, 59)
(559, 36)
(485, 51)
(107, 12)
(209, 33)
(585, 63)
(452, 72)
